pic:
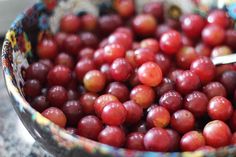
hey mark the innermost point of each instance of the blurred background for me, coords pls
(15, 141)
(9, 9)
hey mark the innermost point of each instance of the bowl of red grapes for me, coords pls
(125, 78)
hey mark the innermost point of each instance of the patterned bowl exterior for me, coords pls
(17, 53)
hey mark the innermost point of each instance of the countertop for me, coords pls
(15, 141)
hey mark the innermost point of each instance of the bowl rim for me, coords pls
(78, 141)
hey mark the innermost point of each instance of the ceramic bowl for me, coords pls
(18, 52)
